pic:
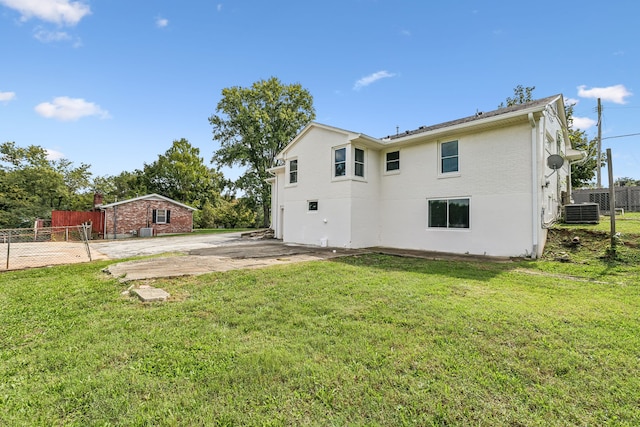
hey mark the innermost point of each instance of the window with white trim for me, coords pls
(449, 158)
(449, 213)
(358, 162)
(339, 162)
(392, 161)
(161, 216)
(293, 171)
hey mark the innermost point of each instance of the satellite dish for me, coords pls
(555, 161)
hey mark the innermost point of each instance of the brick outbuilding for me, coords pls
(147, 215)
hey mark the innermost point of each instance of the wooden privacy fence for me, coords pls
(627, 198)
(42, 246)
(72, 218)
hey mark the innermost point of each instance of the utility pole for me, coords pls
(612, 202)
(599, 146)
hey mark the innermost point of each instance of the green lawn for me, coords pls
(368, 340)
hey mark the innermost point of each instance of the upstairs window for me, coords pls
(449, 157)
(359, 162)
(393, 161)
(293, 171)
(340, 162)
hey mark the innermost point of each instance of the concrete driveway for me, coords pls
(126, 248)
(194, 255)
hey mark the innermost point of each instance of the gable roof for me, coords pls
(352, 136)
(480, 120)
(500, 113)
(152, 196)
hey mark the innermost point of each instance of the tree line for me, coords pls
(251, 124)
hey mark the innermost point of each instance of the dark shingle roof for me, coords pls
(478, 116)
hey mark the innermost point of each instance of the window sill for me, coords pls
(449, 175)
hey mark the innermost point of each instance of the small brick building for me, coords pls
(148, 215)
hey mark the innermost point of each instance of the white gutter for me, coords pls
(534, 187)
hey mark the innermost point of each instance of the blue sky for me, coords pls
(112, 83)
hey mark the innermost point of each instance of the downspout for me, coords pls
(534, 187)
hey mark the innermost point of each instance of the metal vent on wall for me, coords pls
(585, 213)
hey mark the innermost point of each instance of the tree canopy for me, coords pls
(31, 185)
(180, 174)
(252, 125)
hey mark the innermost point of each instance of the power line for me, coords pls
(621, 136)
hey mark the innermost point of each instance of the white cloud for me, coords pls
(615, 94)
(7, 96)
(406, 33)
(47, 36)
(161, 22)
(62, 12)
(372, 78)
(69, 109)
(219, 7)
(583, 123)
(571, 101)
(53, 154)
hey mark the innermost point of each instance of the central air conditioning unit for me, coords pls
(146, 232)
(585, 213)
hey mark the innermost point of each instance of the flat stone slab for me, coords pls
(151, 294)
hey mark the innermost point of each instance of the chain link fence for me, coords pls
(43, 246)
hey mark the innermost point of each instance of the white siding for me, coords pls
(508, 210)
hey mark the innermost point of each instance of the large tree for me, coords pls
(252, 125)
(180, 174)
(31, 185)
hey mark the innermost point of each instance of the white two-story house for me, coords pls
(488, 184)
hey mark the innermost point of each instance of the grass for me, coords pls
(367, 340)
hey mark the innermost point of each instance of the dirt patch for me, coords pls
(224, 258)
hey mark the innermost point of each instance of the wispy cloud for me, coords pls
(46, 36)
(61, 12)
(616, 94)
(70, 109)
(7, 96)
(53, 154)
(219, 7)
(571, 101)
(161, 22)
(406, 33)
(372, 78)
(583, 123)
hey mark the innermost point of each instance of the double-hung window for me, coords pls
(393, 161)
(293, 171)
(358, 163)
(161, 216)
(449, 157)
(340, 162)
(449, 213)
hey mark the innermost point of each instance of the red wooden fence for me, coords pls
(66, 218)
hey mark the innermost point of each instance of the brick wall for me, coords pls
(132, 216)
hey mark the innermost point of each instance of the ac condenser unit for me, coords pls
(584, 213)
(146, 232)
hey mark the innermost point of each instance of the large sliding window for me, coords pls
(449, 213)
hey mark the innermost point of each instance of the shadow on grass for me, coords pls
(470, 270)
